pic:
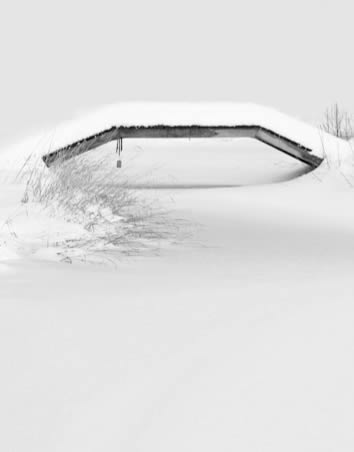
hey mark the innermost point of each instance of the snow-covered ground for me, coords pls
(238, 337)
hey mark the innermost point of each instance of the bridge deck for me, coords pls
(267, 136)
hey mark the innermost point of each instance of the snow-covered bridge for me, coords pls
(184, 120)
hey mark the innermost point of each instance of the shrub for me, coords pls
(86, 191)
(338, 123)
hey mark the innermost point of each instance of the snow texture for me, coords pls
(239, 338)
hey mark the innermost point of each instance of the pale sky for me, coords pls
(60, 57)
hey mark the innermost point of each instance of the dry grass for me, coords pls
(89, 193)
(338, 122)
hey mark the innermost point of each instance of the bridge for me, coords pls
(288, 135)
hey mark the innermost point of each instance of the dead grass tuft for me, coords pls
(89, 193)
(338, 122)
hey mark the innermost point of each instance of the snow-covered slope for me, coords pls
(239, 338)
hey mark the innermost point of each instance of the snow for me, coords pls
(239, 337)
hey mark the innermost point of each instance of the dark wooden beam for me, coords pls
(266, 136)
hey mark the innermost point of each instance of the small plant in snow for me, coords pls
(89, 193)
(338, 123)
